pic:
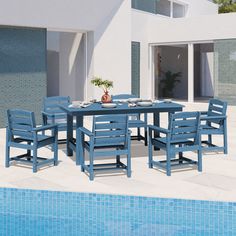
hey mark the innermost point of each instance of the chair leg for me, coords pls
(91, 171)
(180, 156)
(55, 148)
(79, 147)
(168, 164)
(150, 154)
(7, 154)
(35, 160)
(225, 138)
(28, 152)
(82, 160)
(145, 137)
(129, 165)
(139, 134)
(52, 146)
(199, 160)
(117, 160)
(210, 138)
(7, 161)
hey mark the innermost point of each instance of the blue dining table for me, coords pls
(97, 109)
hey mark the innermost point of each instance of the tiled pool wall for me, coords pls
(35, 212)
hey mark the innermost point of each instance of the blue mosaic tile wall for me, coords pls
(225, 70)
(30, 212)
(22, 70)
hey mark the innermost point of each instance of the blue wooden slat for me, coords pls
(109, 140)
(107, 126)
(184, 122)
(182, 136)
(16, 126)
(184, 129)
(109, 133)
(218, 109)
(110, 118)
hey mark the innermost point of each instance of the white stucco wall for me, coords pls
(200, 7)
(140, 34)
(112, 51)
(199, 28)
(62, 15)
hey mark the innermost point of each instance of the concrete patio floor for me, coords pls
(216, 182)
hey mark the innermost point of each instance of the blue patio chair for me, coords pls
(22, 133)
(181, 136)
(53, 114)
(109, 137)
(214, 122)
(135, 120)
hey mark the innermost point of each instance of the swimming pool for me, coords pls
(47, 213)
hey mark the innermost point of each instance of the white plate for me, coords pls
(74, 106)
(156, 101)
(122, 100)
(109, 105)
(144, 104)
(134, 100)
(167, 100)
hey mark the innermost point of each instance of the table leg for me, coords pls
(79, 140)
(156, 122)
(69, 135)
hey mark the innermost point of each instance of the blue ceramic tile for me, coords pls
(35, 212)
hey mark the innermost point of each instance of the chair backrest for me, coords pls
(51, 105)
(132, 116)
(216, 108)
(184, 126)
(110, 130)
(20, 123)
(123, 96)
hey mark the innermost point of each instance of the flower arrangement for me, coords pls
(105, 85)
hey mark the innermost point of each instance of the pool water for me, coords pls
(48, 213)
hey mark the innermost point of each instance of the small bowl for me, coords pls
(109, 105)
(133, 100)
(76, 103)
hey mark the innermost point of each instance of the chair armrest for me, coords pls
(86, 131)
(212, 117)
(45, 127)
(159, 129)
